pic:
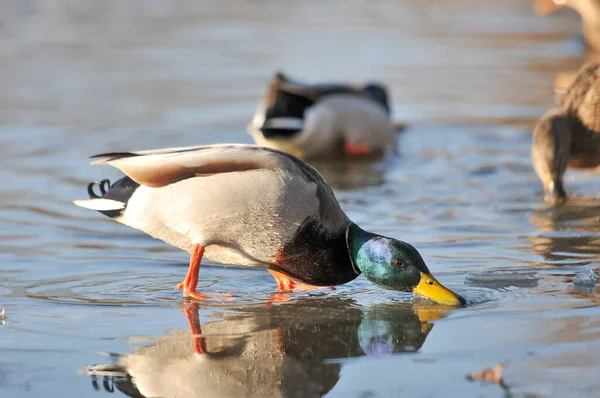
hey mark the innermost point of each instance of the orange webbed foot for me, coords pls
(193, 294)
(303, 287)
(287, 284)
(190, 282)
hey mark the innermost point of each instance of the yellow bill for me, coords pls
(430, 288)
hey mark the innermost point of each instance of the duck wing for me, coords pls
(159, 168)
(310, 91)
(585, 78)
(583, 97)
(589, 109)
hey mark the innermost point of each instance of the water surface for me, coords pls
(91, 306)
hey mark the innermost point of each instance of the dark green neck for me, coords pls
(359, 239)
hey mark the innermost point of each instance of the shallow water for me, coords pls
(90, 305)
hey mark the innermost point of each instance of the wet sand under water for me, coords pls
(90, 305)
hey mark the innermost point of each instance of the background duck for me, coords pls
(256, 207)
(569, 135)
(324, 120)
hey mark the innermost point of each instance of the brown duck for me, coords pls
(569, 135)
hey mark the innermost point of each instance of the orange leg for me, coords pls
(284, 283)
(193, 318)
(190, 282)
(356, 149)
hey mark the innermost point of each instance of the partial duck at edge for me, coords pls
(569, 135)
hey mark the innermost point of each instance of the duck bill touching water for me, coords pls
(569, 135)
(256, 207)
(324, 121)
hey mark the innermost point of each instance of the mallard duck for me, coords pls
(256, 207)
(589, 10)
(324, 121)
(569, 135)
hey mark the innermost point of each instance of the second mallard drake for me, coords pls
(569, 135)
(324, 121)
(256, 207)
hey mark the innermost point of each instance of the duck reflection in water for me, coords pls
(568, 236)
(570, 228)
(283, 350)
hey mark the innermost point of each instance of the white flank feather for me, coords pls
(100, 204)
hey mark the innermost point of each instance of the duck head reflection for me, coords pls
(291, 349)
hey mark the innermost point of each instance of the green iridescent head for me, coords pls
(396, 265)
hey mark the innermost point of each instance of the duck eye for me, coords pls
(397, 263)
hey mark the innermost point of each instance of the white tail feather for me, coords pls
(100, 204)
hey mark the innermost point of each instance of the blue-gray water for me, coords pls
(84, 295)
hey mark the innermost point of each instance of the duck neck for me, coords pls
(358, 239)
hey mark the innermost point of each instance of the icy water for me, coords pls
(91, 308)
